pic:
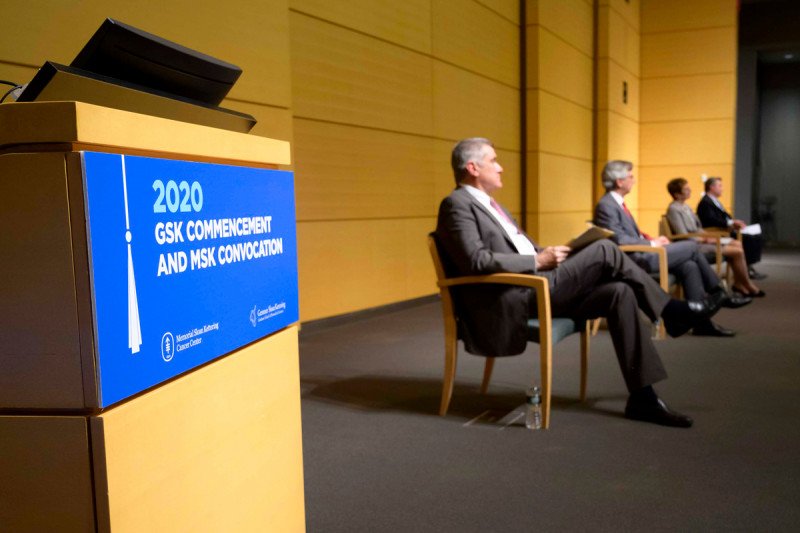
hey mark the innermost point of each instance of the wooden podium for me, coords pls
(217, 448)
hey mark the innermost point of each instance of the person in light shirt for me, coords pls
(476, 236)
(684, 259)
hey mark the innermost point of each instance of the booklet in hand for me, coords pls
(592, 233)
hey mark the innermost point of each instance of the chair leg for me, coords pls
(585, 336)
(487, 374)
(595, 326)
(546, 356)
(450, 357)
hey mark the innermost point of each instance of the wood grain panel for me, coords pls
(562, 128)
(671, 15)
(348, 266)
(56, 30)
(628, 10)
(466, 105)
(559, 228)
(562, 69)
(618, 40)
(558, 183)
(689, 53)
(406, 23)
(618, 137)
(507, 8)
(648, 219)
(346, 77)
(46, 475)
(687, 143)
(711, 96)
(219, 449)
(610, 78)
(346, 172)
(571, 20)
(454, 27)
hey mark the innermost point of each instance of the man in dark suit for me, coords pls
(684, 259)
(477, 236)
(713, 215)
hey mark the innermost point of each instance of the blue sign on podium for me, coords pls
(188, 261)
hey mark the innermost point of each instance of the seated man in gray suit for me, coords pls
(684, 259)
(477, 236)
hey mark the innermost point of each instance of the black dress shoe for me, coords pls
(735, 301)
(682, 315)
(656, 412)
(712, 329)
(756, 275)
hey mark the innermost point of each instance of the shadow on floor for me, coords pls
(422, 396)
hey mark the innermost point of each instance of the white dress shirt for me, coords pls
(521, 242)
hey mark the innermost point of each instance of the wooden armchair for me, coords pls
(546, 330)
(667, 281)
(665, 228)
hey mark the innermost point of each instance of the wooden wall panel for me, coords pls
(56, 30)
(689, 53)
(670, 15)
(346, 77)
(345, 172)
(563, 184)
(559, 228)
(562, 69)
(701, 142)
(406, 23)
(610, 78)
(508, 9)
(466, 105)
(628, 10)
(711, 96)
(618, 40)
(496, 58)
(566, 128)
(571, 20)
(346, 265)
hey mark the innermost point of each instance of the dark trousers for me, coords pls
(752, 245)
(601, 281)
(691, 267)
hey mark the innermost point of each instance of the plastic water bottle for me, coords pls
(533, 408)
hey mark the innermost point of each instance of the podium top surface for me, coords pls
(96, 127)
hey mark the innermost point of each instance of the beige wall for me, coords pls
(688, 107)
(381, 92)
(617, 126)
(559, 92)
(373, 94)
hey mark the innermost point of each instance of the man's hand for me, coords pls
(738, 224)
(551, 257)
(660, 241)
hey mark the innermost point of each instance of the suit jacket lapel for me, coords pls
(488, 213)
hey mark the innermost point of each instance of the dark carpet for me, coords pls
(377, 457)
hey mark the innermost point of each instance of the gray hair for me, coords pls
(615, 170)
(710, 182)
(465, 151)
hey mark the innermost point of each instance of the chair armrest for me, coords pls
(662, 260)
(539, 283)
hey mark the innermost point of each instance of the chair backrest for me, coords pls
(448, 309)
(664, 227)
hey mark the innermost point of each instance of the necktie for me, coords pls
(501, 212)
(628, 212)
